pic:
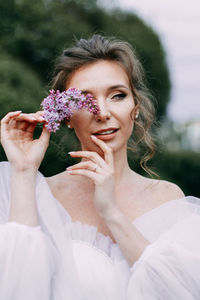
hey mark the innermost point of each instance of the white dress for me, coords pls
(65, 260)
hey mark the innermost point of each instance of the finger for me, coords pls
(31, 127)
(16, 128)
(92, 175)
(5, 121)
(88, 165)
(23, 125)
(45, 135)
(93, 156)
(9, 115)
(33, 117)
(106, 149)
(12, 124)
(39, 116)
(40, 113)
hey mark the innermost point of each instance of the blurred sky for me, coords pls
(178, 24)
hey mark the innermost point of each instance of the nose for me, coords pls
(104, 112)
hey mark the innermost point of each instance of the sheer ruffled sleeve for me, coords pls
(4, 191)
(26, 254)
(169, 268)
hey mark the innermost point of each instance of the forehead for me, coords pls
(98, 74)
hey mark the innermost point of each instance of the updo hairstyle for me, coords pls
(98, 47)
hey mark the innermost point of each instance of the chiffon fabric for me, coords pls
(64, 260)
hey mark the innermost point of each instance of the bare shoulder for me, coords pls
(166, 191)
(173, 190)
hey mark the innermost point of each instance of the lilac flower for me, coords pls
(59, 106)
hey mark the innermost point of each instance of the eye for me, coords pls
(119, 96)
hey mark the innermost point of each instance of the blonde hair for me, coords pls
(99, 47)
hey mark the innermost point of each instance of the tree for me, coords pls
(21, 89)
(34, 33)
(37, 31)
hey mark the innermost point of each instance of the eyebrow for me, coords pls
(118, 86)
(113, 87)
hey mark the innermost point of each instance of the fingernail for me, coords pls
(17, 111)
(68, 168)
(94, 137)
(71, 152)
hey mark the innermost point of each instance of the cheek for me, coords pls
(79, 119)
(128, 120)
(80, 123)
(127, 114)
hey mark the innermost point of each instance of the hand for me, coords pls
(22, 151)
(101, 172)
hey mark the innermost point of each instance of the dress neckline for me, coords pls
(136, 220)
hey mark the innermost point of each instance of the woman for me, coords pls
(98, 230)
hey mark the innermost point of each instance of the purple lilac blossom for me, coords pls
(59, 106)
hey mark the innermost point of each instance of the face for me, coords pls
(109, 84)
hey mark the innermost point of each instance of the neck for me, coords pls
(121, 168)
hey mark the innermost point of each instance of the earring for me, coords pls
(68, 126)
(136, 116)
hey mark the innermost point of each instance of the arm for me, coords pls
(23, 204)
(169, 267)
(130, 240)
(25, 155)
(27, 256)
(27, 262)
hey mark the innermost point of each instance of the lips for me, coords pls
(105, 131)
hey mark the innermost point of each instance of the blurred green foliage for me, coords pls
(34, 33)
(20, 86)
(180, 167)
